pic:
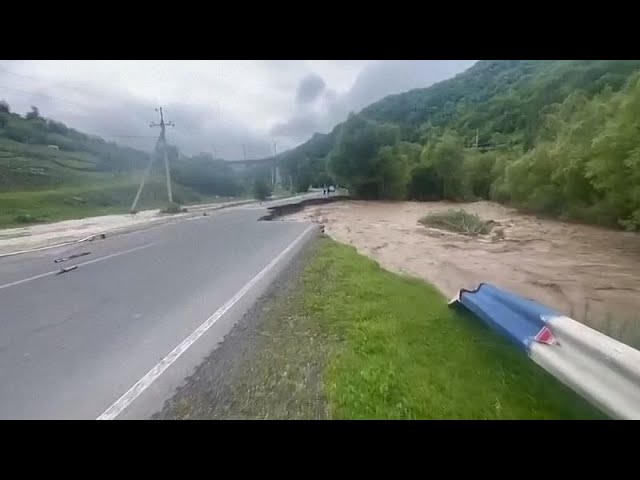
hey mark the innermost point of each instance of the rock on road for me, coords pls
(71, 345)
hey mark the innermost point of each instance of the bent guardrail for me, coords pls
(604, 371)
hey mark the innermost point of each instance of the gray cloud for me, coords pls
(310, 88)
(214, 104)
(373, 83)
(125, 120)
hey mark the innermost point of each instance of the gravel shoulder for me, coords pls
(268, 367)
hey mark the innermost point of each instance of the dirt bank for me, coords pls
(589, 273)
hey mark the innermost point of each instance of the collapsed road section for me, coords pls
(289, 208)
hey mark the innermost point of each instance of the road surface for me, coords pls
(114, 337)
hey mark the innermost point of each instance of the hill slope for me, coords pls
(49, 172)
(554, 136)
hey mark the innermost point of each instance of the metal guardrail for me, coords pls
(602, 370)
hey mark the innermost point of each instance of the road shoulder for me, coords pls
(268, 367)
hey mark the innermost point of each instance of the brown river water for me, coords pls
(589, 273)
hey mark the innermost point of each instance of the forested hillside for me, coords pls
(558, 137)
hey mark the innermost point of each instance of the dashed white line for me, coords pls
(141, 385)
(53, 272)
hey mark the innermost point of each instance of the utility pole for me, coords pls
(163, 139)
(477, 131)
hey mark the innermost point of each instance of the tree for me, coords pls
(57, 127)
(206, 175)
(261, 189)
(477, 168)
(392, 167)
(4, 107)
(33, 114)
(425, 184)
(355, 161)
(446, 156)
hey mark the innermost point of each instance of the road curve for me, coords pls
(76, 345)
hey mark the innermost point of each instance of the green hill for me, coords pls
(556, 137)
(50, 172)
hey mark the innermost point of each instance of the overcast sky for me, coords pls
(215, 104)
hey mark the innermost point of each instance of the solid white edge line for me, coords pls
(35, 277)
(53, 272)
(152, 375)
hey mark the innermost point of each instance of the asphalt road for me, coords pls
(72, 345)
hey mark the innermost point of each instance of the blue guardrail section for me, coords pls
(518, 318)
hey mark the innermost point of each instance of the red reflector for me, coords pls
(545, 336)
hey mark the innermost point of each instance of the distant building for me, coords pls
(54, 147)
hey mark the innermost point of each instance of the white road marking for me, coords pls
(152, 375)
(53, 272)
(35, 277)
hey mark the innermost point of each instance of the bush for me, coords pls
(261, 189)
(26, 218)
(458, 221)
(172, 208)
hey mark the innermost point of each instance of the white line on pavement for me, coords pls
(53, 272)
(141, 385)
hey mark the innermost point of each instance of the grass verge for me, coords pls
(403, 354)
(354, 341)
(65, 203)
(458, 221)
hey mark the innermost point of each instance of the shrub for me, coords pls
(261, 189)
(26, 218)
(458, 221)
(172, 208)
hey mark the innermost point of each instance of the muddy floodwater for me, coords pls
(589, 273)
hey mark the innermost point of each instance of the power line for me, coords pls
(126, 136)
(60, 84)
(33, 94)
(50, 97)
(76, 104)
